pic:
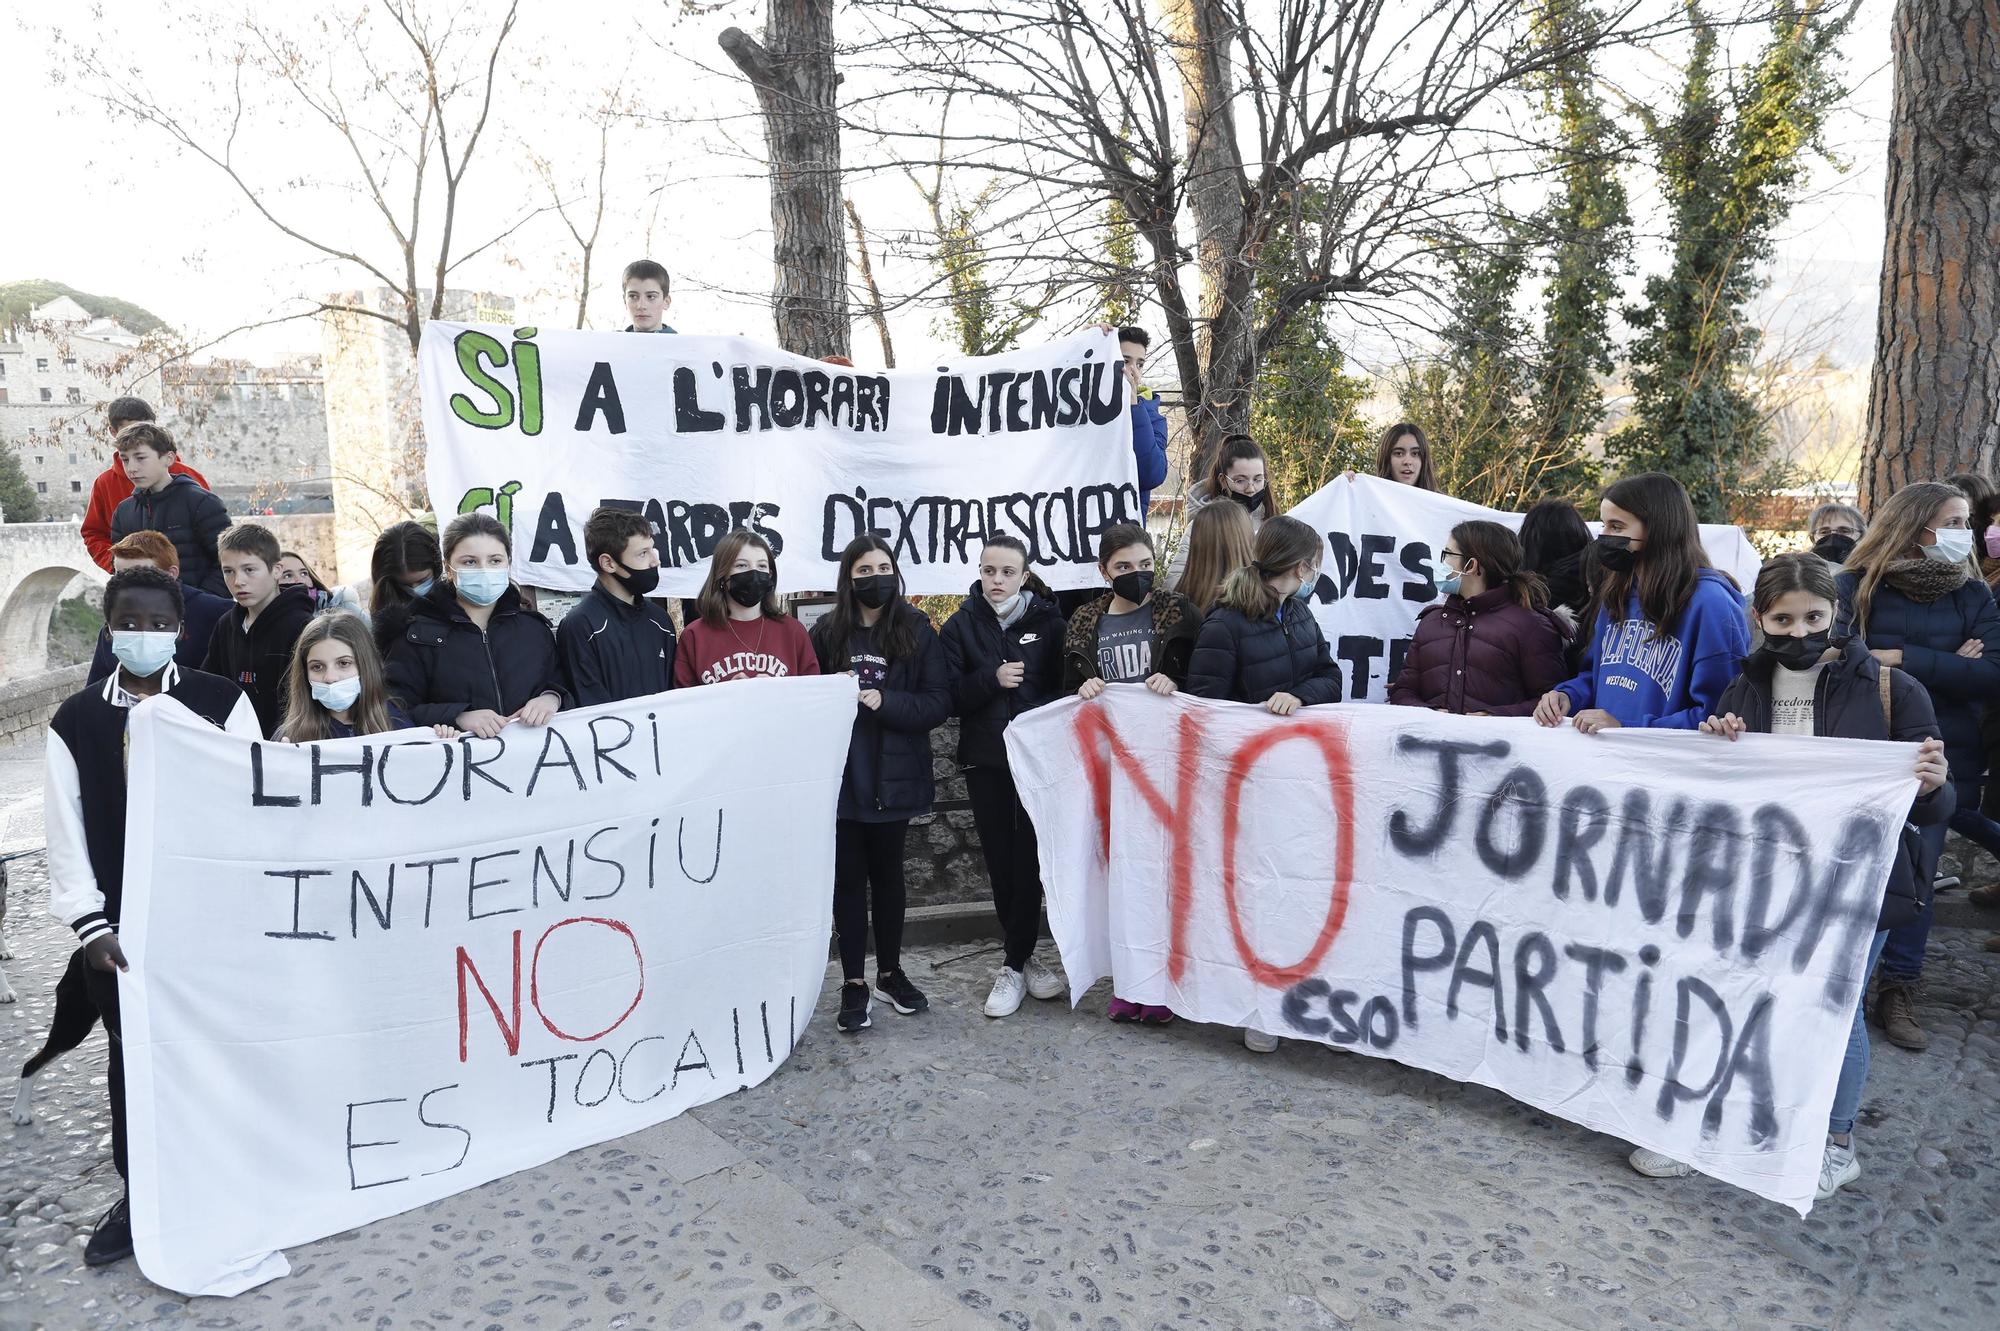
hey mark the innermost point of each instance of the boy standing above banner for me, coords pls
(83, 799)
(616, 644)
(647, 297)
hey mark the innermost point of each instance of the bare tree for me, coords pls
(876, 312)
(793, 73)
(585, 202)
(1364, 133)
(1934, 404)
(409, 114)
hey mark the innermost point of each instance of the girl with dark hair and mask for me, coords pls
(1240, 473)
(1805, 681)
(743, 631)
(1668, 629)
(888, 646)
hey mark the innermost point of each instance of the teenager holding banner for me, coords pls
(1491, 647)
(1555, 547)
(475, 655)
(617, 644)
(1003, 653)
(1261, 644)
(742, 631)
(890, 648)
(1910, 592)
(1670, 629)
(335, 688)
(83, 800)
(1404, 456)
(1800, 683)
(1219, 537)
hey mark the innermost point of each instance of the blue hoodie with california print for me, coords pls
(1674, 681)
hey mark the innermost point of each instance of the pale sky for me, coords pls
(118, 209)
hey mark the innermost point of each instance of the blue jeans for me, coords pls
(1969, 821)
(1903, 957)
(1854, 1067)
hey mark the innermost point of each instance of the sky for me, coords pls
(118, 208)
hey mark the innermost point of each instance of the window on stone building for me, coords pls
(74, 395)
(41, 362)
(41, 487)
(3, 395)
(72, 457)
(38, 459)
(3, 369)
(76, 487)
(69, 362)
(48, 395)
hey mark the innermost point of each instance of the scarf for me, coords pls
(1925, 580)
(1010, 610)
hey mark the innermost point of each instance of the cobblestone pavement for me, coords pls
(1055, 1171)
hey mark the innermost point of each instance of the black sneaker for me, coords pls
(895, 987)
(111, 1241)
(854, 1008)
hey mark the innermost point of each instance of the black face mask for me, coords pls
(1252, 502)
(876, 590)
(1834, 549)
(638, 581)
(1797, 653)
(749, 588)
(1134, 587)
(1616, 553)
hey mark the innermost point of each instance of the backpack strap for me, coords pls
(1888, 713)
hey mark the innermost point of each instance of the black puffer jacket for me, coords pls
(888, 777)
(1847, 704)
(186, 514)
(1928, 633)
(1241, 660)
(444, 664)
(259, 658)
(975, 646)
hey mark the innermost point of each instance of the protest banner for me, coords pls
(707, 434)
(370, 973)
(1657, 934)
(1384, 545)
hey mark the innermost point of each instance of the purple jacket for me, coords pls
(1482, 655)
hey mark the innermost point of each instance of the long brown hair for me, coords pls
(403, 547)
(1238, 448)
(893, 635)
(1219, 537)
(306, 721)
(1800, 571)
(714, 599)
(1282, 545)
(1427, 476)
(1891, 536)
(1498, 553)
(1671, 560)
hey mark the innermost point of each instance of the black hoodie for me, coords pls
(445, 665)
(190, 517)
(975, 646)
(259, 658)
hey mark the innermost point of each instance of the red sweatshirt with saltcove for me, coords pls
(758, 648)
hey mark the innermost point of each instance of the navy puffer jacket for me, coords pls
(888, 776)
(1929, 633)
(1239, 659)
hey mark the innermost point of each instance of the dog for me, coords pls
(75, 1016)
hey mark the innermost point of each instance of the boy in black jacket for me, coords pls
(83, 800)
(616, 644)
(253, 643)
(174, 505)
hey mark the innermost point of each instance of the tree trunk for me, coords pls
(1934, 402)
(1201, 33)
(792, 71)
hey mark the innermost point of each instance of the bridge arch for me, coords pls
(38, 560)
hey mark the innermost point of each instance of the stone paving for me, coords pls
(1055, 1171)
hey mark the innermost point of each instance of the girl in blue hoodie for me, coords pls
(1670, 629)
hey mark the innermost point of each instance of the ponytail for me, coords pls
(1282, 545)
(1498, 554)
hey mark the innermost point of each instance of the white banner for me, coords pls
(371, 973)
(1384, 545)
(1656, 934)
(707, 434)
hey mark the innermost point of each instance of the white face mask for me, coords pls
(339, 695)
(1954, 544)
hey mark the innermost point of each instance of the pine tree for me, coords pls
(17, 493)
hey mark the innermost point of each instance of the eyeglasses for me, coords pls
(1450, 553)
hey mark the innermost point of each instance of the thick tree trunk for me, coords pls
(1934, 403)
(1200, 32)
(792, 71)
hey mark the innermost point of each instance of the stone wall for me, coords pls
(27, 704)
(942, 861)
(308, 534)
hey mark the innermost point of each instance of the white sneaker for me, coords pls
(1837, 1168)
(1043, 983)
(1009, 988)
(1654, 1165)
(1259, 1043)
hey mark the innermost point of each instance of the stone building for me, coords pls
(57, 370)
(258, 433)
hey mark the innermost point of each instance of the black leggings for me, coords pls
(103, 988)
(865, 856)
(1013, 858)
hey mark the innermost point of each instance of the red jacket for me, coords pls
(1482, 655)
(107, 492)
(743, 649)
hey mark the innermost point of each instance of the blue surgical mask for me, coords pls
(424, 588)
(1449, 584)
(482, 586)
(339, 695)
(142, 653)
(1954, 544)
(1304, 590)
